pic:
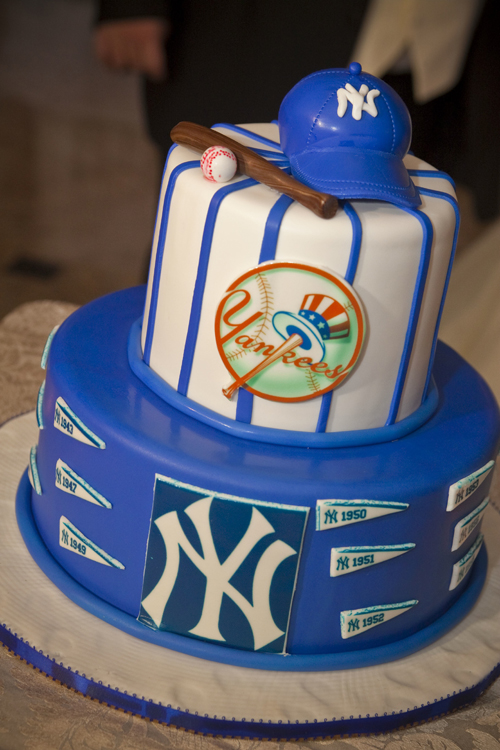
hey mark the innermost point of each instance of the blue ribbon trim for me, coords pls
(226, 727)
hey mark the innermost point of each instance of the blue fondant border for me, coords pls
(249, 659)
(268, 434)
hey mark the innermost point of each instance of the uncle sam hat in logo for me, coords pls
(320, 319)
(346, 132)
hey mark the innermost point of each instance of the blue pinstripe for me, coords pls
(352, 266)
(160, 251)
(425, 256)
(201, 277)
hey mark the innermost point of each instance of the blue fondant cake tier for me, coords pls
(248, 545)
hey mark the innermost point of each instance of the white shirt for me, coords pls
(431, 36)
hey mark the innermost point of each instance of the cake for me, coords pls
(267, 452)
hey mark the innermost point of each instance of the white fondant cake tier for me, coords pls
(208, 238)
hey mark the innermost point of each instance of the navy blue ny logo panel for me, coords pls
(221, 568)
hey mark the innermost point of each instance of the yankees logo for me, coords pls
(357, 100)
(256, 555)
(288, 331)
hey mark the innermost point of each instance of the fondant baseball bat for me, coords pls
(251, 164)
(286, 346)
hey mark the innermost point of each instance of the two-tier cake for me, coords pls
(267, 452)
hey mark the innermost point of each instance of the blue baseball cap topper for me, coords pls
(346, 132)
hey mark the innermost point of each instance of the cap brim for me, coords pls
(355, 173)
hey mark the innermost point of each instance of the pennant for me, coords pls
(66, 421)
(350, 559)
(331, 514)
(46, 348)
(33, 472)
(73, 540)
(466, 526)
(464, 488)
(356, 621)
(68, 481)
(39, 405)
(462, 567)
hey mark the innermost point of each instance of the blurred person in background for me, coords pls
(212, 61)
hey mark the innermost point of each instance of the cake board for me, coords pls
(91, 656)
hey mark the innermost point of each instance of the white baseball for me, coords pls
(218, 164)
